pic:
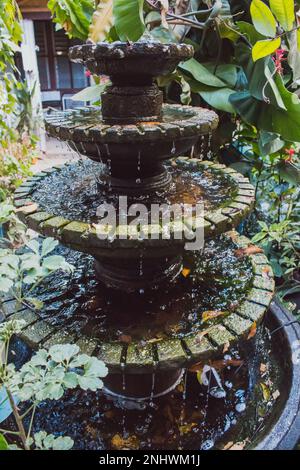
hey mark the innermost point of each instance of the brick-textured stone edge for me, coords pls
(84, 237)
(63, 125)
(170, 353)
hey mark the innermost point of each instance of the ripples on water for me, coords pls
(73, 192)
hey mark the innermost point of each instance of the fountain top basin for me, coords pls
(87, 125)
(140, 59)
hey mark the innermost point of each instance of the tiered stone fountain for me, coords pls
(130, 138)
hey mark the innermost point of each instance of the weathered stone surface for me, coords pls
(245, 200)
(19, 202)
(260, 296)
(139, 357)
(87, 345)
(76, 232)
(170, 353)
(252, 310)
(262, 269)
(59, 337)
(199, 346)
(28, 316)
(52, 227)
(12, 306)
(111, 354)
(259, 259)
(233, 214)
(189, 123)
(195, 223)
(36, 333)
(237, 324)
(219, 335)
(219, 220)
(36, 218)
(264, 282)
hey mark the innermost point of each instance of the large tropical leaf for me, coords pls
(74, 17)
(284, 12)
(268, 117)
(260, 75)
(218, 98)
(102, 21)
(201, 73)
(129, 20)
(263, 18)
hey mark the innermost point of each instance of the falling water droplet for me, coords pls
(141, 264)
(173, 150)
(99, 152)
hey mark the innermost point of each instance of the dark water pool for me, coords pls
(216, 280)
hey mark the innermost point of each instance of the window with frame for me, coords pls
(56, 71)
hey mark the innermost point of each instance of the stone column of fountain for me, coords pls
(130, 139)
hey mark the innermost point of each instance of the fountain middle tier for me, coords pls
(138, 239)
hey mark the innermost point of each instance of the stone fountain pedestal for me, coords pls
(133, 135)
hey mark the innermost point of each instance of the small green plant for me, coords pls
(47, 376)
(21, 273)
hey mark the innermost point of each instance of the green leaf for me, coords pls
(63, 443)
(249, 31)
(91, 93)
(218, 99)
(290, 173)
(49, 244)
(294, 54)
(52, 391)
(228, 73)
(270, 118)
(95, 367)
(90, 383)
(258, 237)
(63, 352)
(284, 12)
(70, 380)
(129, 20)
(34, 246)
(54, 262)
(269, 143)
(201, 73)
(264, 48)
(260, 75)
(262, 18)
(3, 443)
(5, 284)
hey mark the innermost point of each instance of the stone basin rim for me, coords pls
(83, 236)
(170, 353)
(197, 121)
(119, 50)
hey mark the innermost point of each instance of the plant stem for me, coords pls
(6, 431)
(18, 420)
(31, 421)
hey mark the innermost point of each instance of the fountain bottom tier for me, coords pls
(215, 301)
